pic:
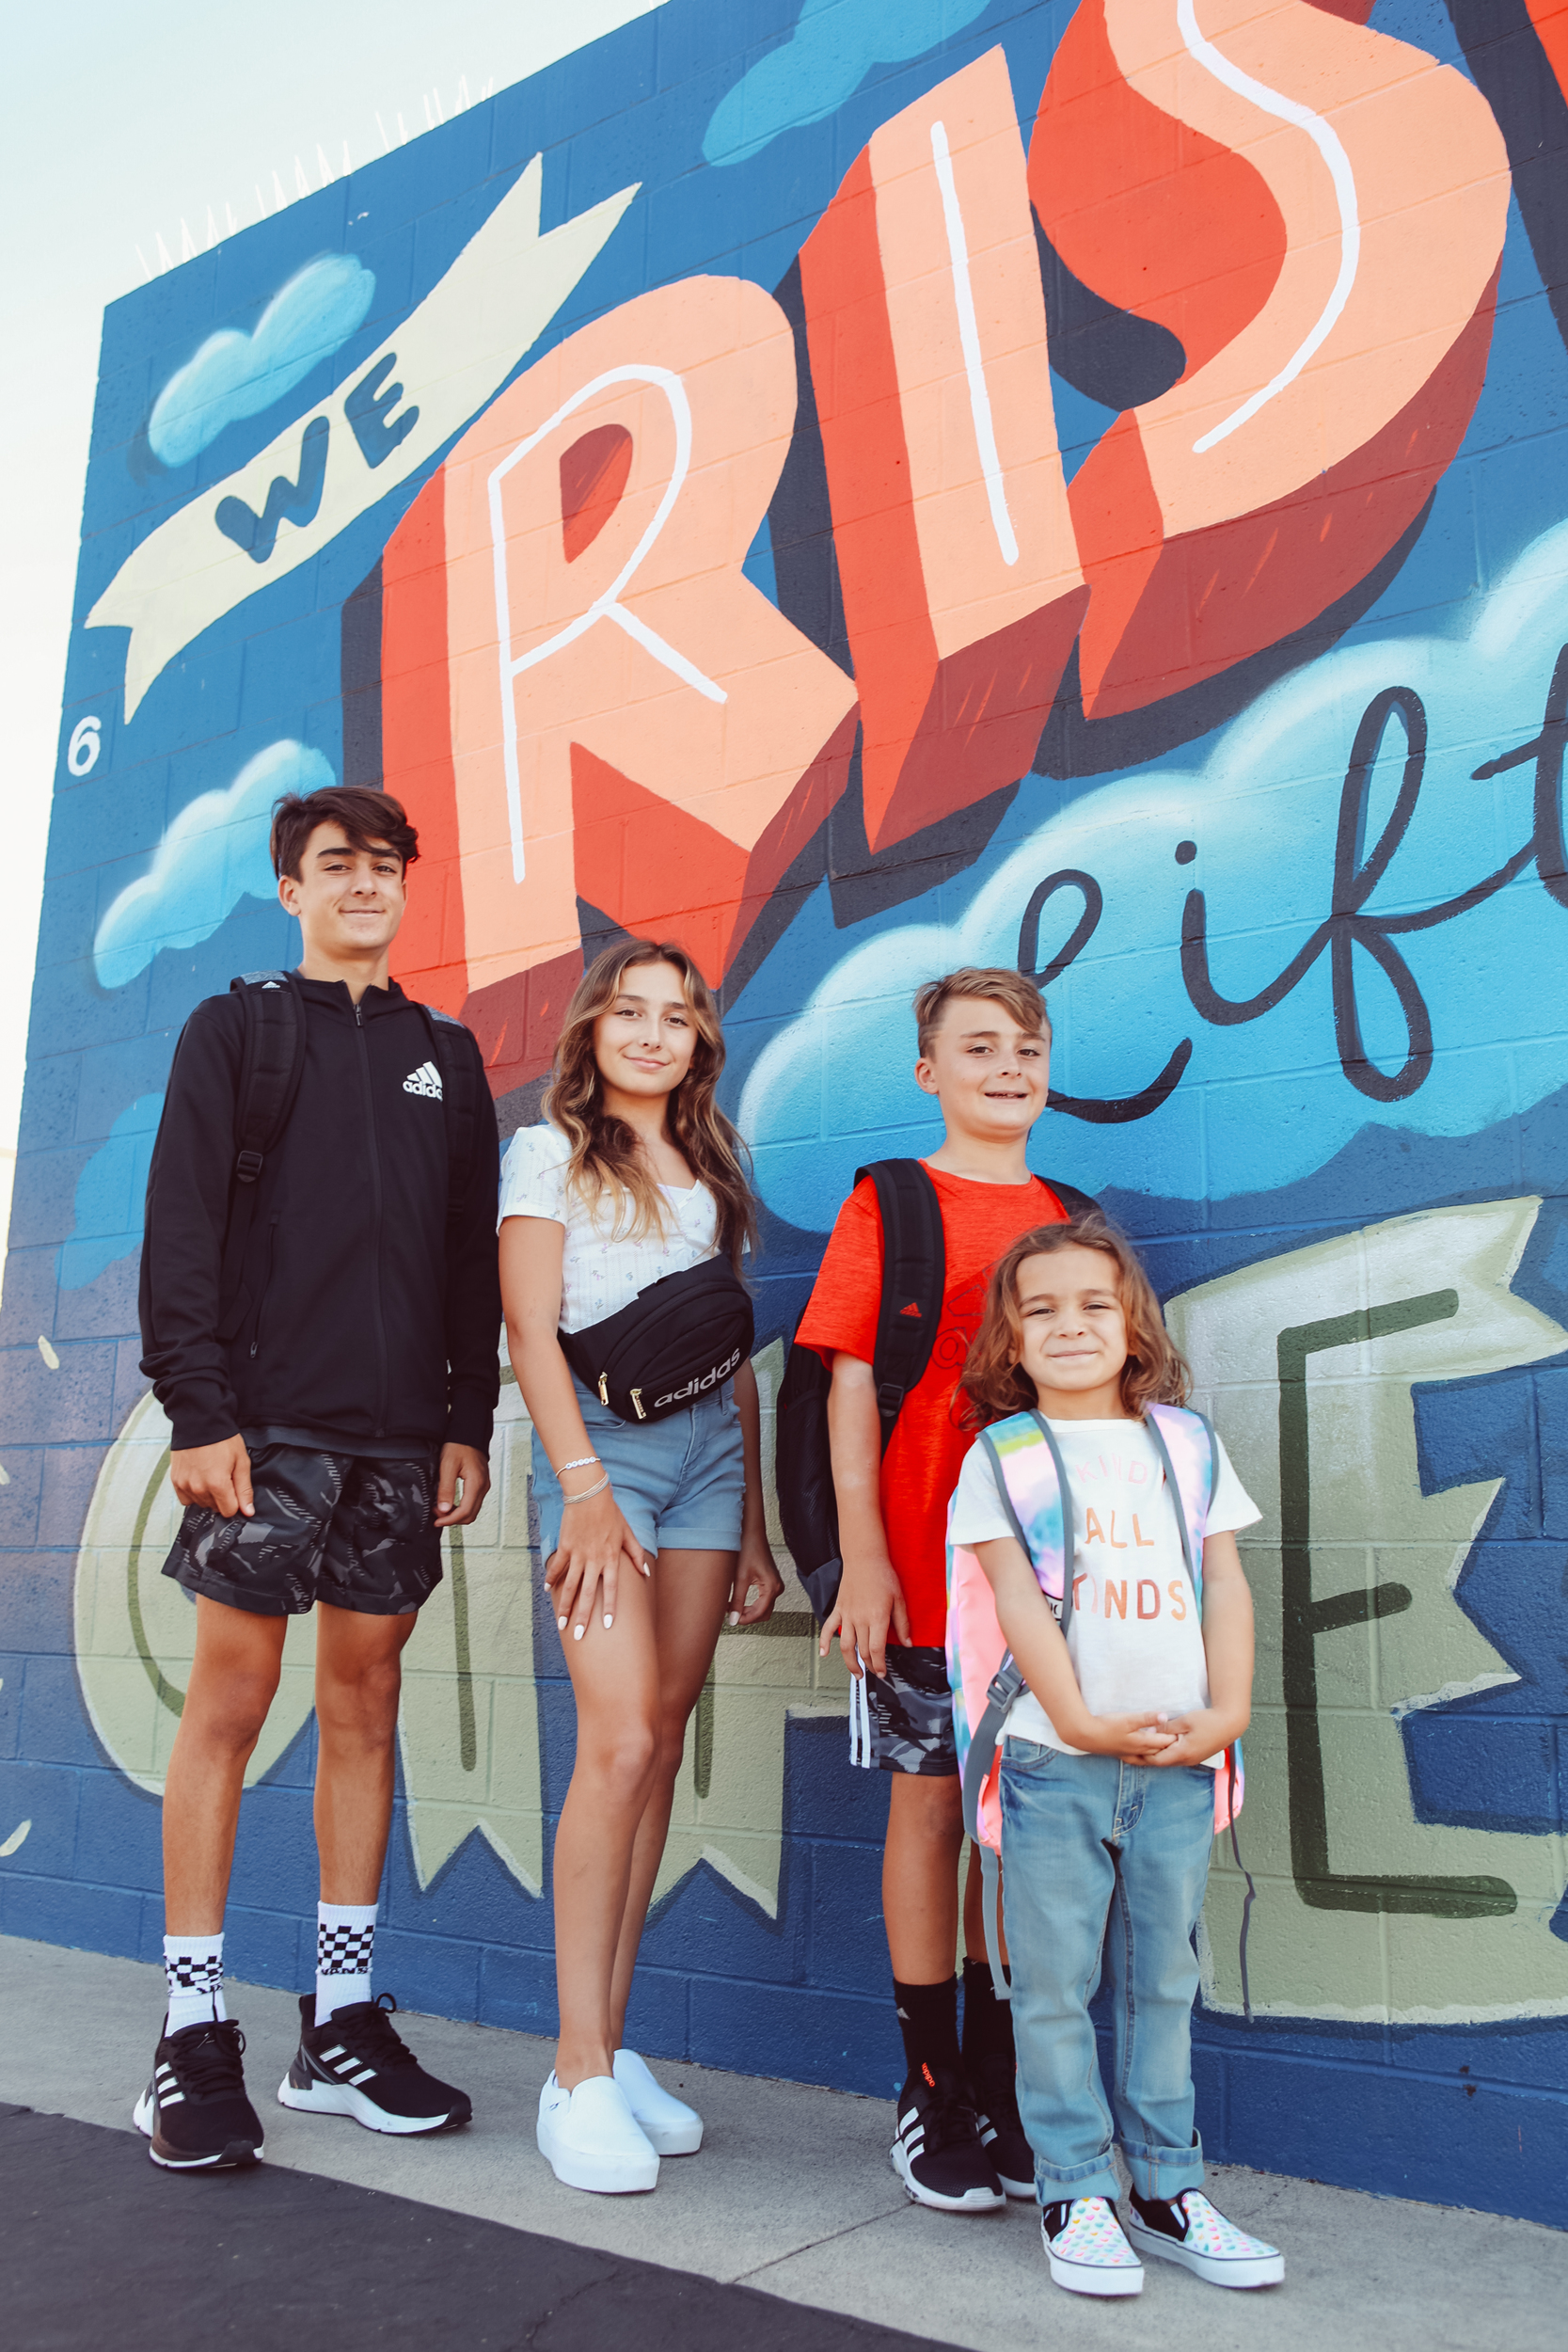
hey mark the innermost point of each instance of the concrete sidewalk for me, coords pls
(793, 2194)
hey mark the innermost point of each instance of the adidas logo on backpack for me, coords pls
(426, 1080)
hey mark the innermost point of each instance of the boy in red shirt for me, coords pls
(985, 1053)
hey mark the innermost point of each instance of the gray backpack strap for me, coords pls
(1001, 1692)
(991, 1896)
(1193, 1566)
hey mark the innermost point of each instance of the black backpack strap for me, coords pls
(1076, 1203)
(459, 1101)
(914, 1276)
(271, 1060)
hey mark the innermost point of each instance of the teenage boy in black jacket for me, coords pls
(331, 1411)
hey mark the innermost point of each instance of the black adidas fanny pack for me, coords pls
(678, 1341)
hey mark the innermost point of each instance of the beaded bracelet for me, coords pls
(584, 1461)
(587, 1493)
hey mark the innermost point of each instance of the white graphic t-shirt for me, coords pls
(601, 1272)
(1134, 1637)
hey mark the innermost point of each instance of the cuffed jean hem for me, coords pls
(1163, 2171)
(1098, 2178)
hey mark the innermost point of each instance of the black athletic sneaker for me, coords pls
(195, 2112)
(357, 2065)
(938, 2155)
(994, 2084)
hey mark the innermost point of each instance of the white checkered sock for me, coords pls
(345, 1936)
(194, 1966)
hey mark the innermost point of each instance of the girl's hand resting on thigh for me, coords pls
(594, 1540)
(757, 1583)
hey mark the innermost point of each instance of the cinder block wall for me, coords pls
(1124, 537)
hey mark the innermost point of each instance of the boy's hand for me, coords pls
(1198, 1735)
(1133, 1739)
(464, 1466)
(870, 1599)
(214, 1477)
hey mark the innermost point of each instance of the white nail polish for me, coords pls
(577, 1633)
(607, 1623)
(562, 1624)
(734, 1616)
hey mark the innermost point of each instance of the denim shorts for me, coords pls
(680, 1482)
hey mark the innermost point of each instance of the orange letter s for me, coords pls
(1321, 224)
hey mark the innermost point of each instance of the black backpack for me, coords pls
(915, 1278)
(271, 1062)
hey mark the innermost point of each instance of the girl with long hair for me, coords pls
(1101, 1512)
(651, 1529)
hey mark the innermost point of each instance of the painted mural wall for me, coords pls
(860, 488)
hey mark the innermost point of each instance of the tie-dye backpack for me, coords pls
(1032, 1481)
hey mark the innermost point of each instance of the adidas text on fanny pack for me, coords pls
(695, 1386)
(426, 1080)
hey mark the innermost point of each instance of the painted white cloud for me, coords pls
(833, 47)
(238, 375)
(213, 854)
(1265, 1101)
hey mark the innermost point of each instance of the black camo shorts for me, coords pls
(354, 1531)
(911, 1708)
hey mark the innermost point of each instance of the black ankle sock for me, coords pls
(928, 2020)
(987, 2022)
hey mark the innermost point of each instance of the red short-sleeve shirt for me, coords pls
(920, 1467)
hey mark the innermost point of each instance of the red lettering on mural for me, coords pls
(1550, 20)
(611, 711)
(963, 589)
(1317, 211)
(1153, 1592)
(1115, 1598)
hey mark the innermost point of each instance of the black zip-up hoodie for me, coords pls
(363, 1315)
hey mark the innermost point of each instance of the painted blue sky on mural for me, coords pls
(1262, 1103)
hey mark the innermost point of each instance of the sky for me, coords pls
(122, 128)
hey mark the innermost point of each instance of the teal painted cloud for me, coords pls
(213, 855)
(1271, 1091)
(238, 375)
(833, 47)
(110, 1193)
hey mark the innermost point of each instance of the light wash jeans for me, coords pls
(1103, 1867)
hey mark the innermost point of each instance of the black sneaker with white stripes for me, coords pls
(938, 2154)
(195, 2112)
(357, 2065)
(993, 2081)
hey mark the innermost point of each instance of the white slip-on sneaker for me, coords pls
(591, 2139)
(674, 2128)
(1087, 2252)
(1188, 2229)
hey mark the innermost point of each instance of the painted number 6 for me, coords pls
(86, 741)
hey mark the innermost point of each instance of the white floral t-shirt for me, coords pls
(599, 1273)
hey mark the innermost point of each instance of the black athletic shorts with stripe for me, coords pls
(356, 1531)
